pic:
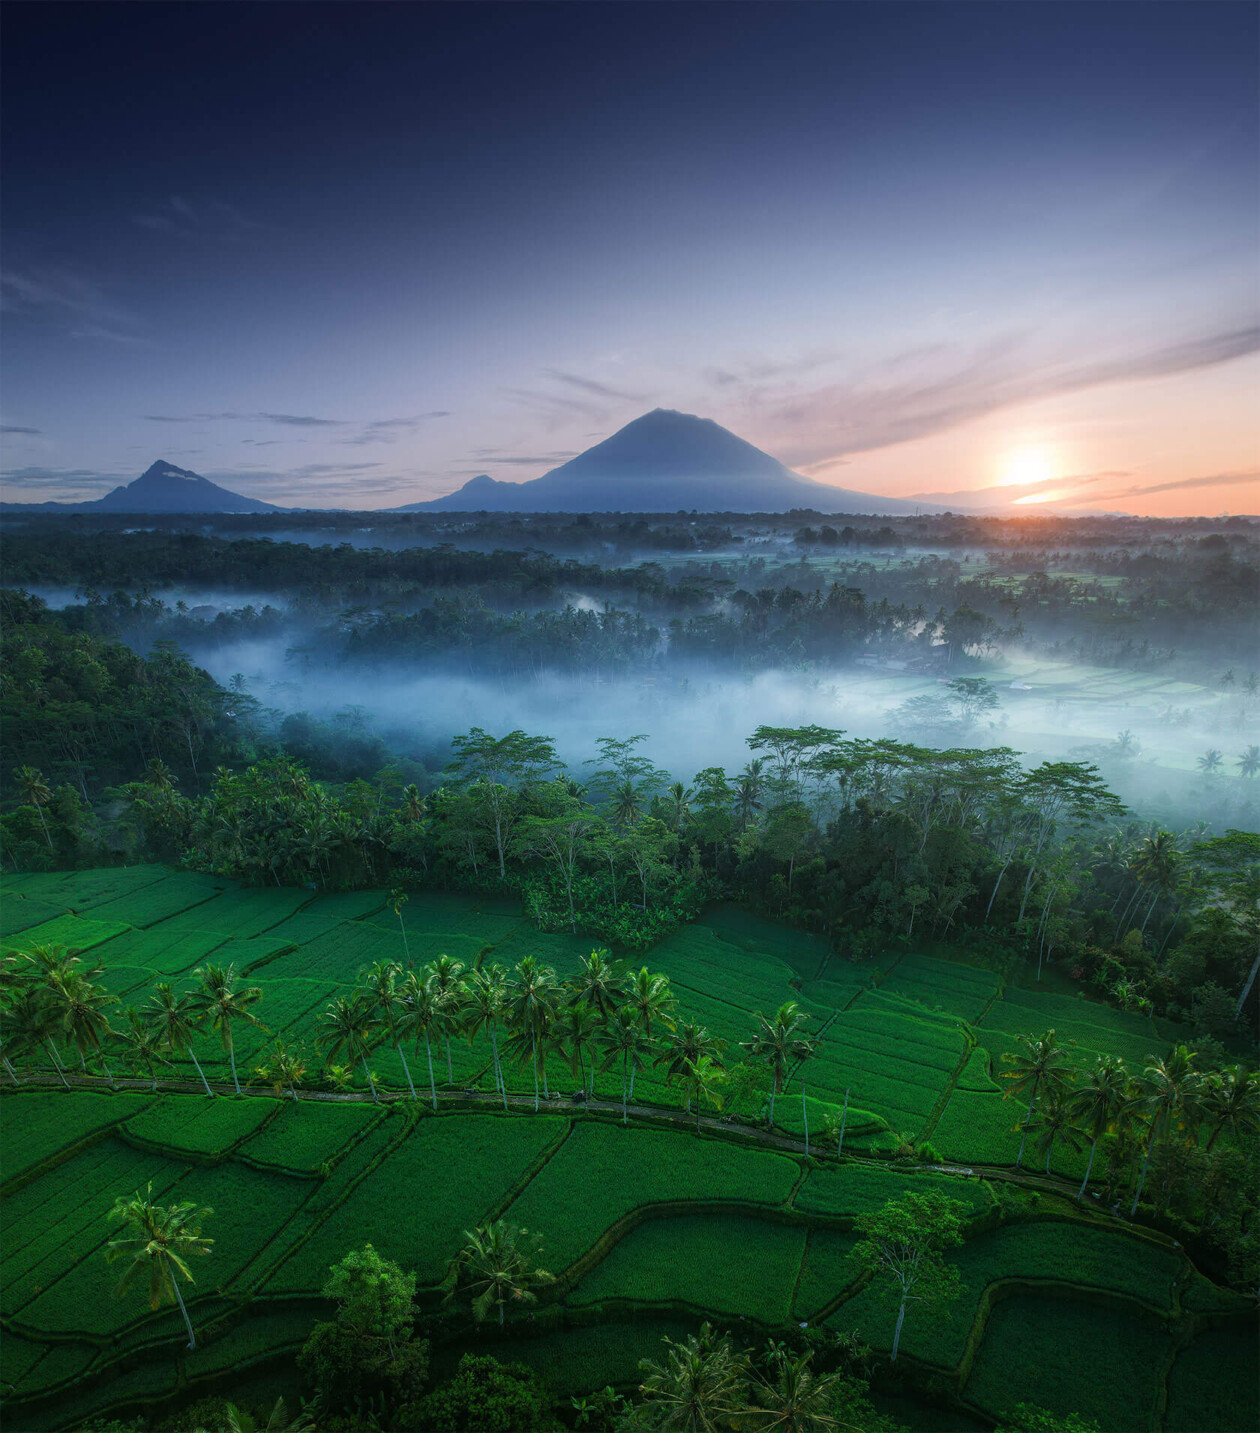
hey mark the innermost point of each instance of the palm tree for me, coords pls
(80, 1006)
(385, 1000)
(531, 1009)
(1249, 762)
(412, 805)
(239, 1421)
(598, 982)
(497, 1266)
(623, 1041)
(679, 800)
(796, 1400)
(700, 1386)
(833, 1128)
(283, 1069)
(701, 1081)
(446, 973)
(1230, 1100)
(143, 1045)
(684, 1046)
(577, 1029)
(627, 803)
(749, 786)
(648, 996)
(1210, 762)
(176, 1018)
(36, 792)
(1160, 1096)
(344, 1030)
(778, 1042)
(28, 1021)
(1157, 864)
(1057, 1124)
(482, 1010)
(398, 898)
(1097, 1103)
(424, 1014)
(1037, 1063)
(221, 1003)
(158, 1243)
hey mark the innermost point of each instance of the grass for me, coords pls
(303, 1137)
(1213, 1386)
(849, 1190)
(193, 1124)
(826, 1270)
(37, 1125)
(735, 1265)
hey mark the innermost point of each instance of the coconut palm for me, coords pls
(29, 1021)
(599, 983)
(700, 1386)
(80, 1006)
(1210, 762)
(624, 1043)
(497, 1265)
(678, 802)
(1159, 1099)
(143, 1045)
(446, 976)
(36, 793)
(794, 1399)
(577, 1029)
(1249, 762)
(1057, 1124)
(278, 1421)
(157, 1244)
(398, 898)
(1037, 1063)
(176, 1019)
(649, 997)
(385, 1000)
(424, 1013)
(684, 1045)
(531, 1009)
(702, 1080)
(345, 1031)
(627, 802)
(833, 1126)
(1230, 1100)
(283, 1068)
(482, 1009)
(1097, 1103)
(222, 1003)
(778, 1042)
(749, 787)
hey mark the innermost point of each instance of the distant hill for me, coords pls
(662, 462)
(163, 488)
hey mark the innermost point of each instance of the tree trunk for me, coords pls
(232, 1058)
(367, 1074)
(901, 1318)
(494, 1047)
(1246, 990)
(1027, 1119)
(774, 1090)
(805, 1117)
(450, 1074)
(57, 1063)
(625, 1116)
(406, 948)
(844, 1117)
(13, 1072)
(109, 1074)
(44, 824)
(406, 1071)
(200, 1071)
(993, 894)
(1137, 1193)
(428, 1050)
(1089, 1168)
(192, 1337)
(533, 1051)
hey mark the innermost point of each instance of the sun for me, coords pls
(1028, 465)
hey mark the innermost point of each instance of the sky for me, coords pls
(352, 255)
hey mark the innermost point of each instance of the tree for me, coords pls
(702, 1080)
(369, 1350)
(777, 1043)
(685, 1044)
(578, 1030)
(157, 1244)
(221, 1003)
(386, 1002)
(1230, 1100)
(1249, 762)
(176, 1018)
(903, 1245)
(142, 1045)
(1159, 1099)
(1057, 1124)
(398, 898)
(1097, 1104)
(531, 1008)
(37, 793)
(598, 983)
(284, 1068)
(483, 1007)
(278, 1421)
(345, 1027)
(497, 1266)
(487, 1396)
(446, 979)
(424, 1011)
(1036, 1064)
(1210, 762)
(649, 997)
(794, 1399)
(81, 1007)
(486, 765)
(559, 841)
(701, 1385)
(624, 1043)
(974, 697)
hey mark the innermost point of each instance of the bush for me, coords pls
(487, 1396)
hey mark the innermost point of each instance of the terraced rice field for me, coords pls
(646, 1227)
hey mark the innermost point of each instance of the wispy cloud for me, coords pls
(946, 387)
(288, 420)
(14, 429)
(61, 295)
(203, 219)
(387, 430)
(1214, 480)
(591, 385)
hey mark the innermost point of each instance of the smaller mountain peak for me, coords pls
(163, 469)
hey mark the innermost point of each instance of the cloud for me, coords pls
(13, 428)
(58, 294)
(109, 335)
(205, 219)
(947, 387)
(1249, 475)
(589, 385)
(289, 420)
(385, 430)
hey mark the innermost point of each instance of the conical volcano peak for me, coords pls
(163, 469)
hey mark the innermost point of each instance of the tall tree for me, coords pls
(1230, 1100)
(1096, 1105)
(176, 1018)
(222, 1002)
(81, 1005)
(157, 1243)
(498, 1265)
(778, 1043)
(624, 1044)
(494, 768)
(1160, 1099)
(345, 1030)
(531, 1007)
(1037, 1063)
(385, 1000)
(700, 1386)
(446, 974)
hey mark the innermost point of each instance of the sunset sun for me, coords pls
(1028, 465)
